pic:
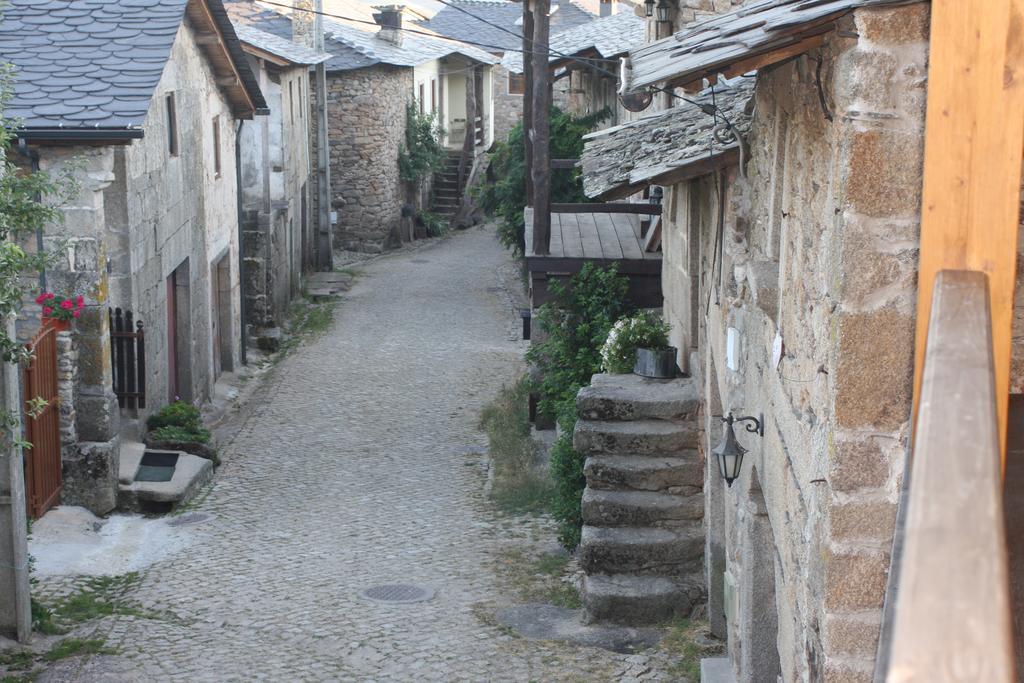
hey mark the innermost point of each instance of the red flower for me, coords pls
(47, 310)
(77, 314)
(66, 304)
(51, 295)
(41, 298)
(80, 301)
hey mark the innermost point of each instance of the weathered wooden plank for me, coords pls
(564, 163)
(588, 234)
(608, 235)
(547, 264)
(972, 163)
(954, 559)
(572, 242)
(653, 240)
(528, 233)
(627, 230)
(557, 248)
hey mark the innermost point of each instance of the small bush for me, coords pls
(517, 485)
(180, 434)
(644, 330)
(435, 225)
(567, 473)
(422, 152)
(177, 414)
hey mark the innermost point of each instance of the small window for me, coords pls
(291, 99)
(433, 96)
(216, 146)
(422, 100)
(516, 84)
(172, 126)
(302, 97)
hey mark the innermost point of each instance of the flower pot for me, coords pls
(57, 324)
(656, 363)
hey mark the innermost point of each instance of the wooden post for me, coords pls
(528, 98)
(541, 170)
(972, 164)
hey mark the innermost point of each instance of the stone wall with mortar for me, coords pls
(366, 126)
(802, 310)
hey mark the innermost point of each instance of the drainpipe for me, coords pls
(241, 242)
(33, 157)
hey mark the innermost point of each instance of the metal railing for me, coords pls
(948, 608)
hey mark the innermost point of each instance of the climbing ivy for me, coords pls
(422, 152)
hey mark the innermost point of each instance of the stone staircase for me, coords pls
(642, 548)
(447, 193)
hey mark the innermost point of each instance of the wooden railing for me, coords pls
(948, 608)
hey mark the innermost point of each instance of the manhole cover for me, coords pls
(188, 518)
(398, 592)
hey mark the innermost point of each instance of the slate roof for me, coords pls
(665, 147)
(459, 22)
(278, 46)
(708, 47)
(609, 37)
(88, 68)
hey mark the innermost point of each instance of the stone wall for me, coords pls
(366, 126)
(508, 109)
(803, 309)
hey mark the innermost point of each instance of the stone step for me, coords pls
(638, 437)
(684, 474)
(631, 397)
(628, 550)
(639, 508)
(638, 600)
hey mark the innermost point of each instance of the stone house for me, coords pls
(584, 59)
(139, 104)
(496, 26)
(278, 227)
(790, 235)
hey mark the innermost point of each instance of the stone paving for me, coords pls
(358, 464)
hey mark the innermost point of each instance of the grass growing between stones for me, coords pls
(686, 642)
(21, 666)
(518, 486)
(307, 319)
(539, 578)
(73, 647)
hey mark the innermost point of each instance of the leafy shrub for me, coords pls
(435, 225)
(576, 324)
(644, 330)
(177, 414)
(567, 473)
(505, 197)
(180, 434)
(422, 153)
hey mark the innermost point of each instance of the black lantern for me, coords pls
(663, 10)
(649, 8)
(730, 452)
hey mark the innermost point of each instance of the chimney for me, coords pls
(608, 8)
(302, 22)
(389, 18)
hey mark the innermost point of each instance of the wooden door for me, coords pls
(172, 337)
(42, 428)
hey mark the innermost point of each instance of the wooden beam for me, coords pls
(210, 38)
(972, 164)
(752, 63)
(528, 99)
(614, 207)
(541, 170)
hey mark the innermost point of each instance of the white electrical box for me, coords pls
(732, 349)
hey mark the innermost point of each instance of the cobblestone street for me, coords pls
(359, 463)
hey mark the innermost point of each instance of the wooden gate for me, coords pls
(42, 460)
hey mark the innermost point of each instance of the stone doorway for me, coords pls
(179, 334)
(220, 318)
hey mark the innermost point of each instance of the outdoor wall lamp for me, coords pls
(663, 10)
(649, 8)
(730, 452)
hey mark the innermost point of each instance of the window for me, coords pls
(433, 96)
(172, 126)
(216, 146)
(291, 99)
(422, 98)
(302, 97)
(516, 84)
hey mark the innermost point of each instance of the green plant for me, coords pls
(422, 152)
(505, 197)
(72, 647)
(688, 641)
(644, 330)
(435, 225)
(517, 485)
(180, 434)
(567, 473)
(576, 323)
(176, 414)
